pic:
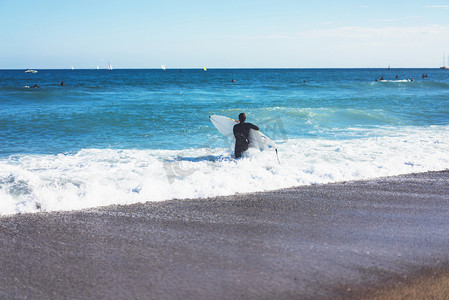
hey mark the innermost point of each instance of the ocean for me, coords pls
(128, 136)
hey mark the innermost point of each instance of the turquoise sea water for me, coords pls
(144, 121)
(153, 109)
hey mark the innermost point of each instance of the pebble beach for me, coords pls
(360, 239)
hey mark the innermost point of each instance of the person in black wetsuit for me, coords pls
(241, 133)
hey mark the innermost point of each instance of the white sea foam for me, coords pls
(94, 177)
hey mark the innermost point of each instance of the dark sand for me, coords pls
(344, 240)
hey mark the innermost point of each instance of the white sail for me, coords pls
(163, 67)
(109, 66)
(445, 66)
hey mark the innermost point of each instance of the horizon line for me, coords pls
(217, 68)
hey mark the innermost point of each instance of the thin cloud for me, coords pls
(370, 32)
(413, 17)
(267, 37)
(438, 6)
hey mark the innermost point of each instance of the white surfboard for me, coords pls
(257, 139)
(398, 80)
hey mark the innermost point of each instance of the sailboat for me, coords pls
(73, 68)
(109, 66)
(204, 69)
(30, 71)
(163, 67)
(98, 68)
(445, 67)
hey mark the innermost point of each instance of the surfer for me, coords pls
(241, 134)
(62, 83)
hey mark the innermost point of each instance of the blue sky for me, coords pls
(215, 34)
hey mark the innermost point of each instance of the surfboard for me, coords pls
(399, 80)
(257, 139)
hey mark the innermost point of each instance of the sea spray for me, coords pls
(96, 177)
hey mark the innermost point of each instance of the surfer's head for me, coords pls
(242, 117)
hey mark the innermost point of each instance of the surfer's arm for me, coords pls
(235, 131)
(254, 127)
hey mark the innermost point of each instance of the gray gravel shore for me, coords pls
(312, 242)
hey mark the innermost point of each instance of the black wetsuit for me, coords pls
(241, 133)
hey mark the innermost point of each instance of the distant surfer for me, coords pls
(241, 134)
(62, 83)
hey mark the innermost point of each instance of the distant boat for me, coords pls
(109, 66)
(389, 68)
(445, 66)
(163, 67)
(204, 69)
(98, 68)
(73, 68)
(30, 71)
